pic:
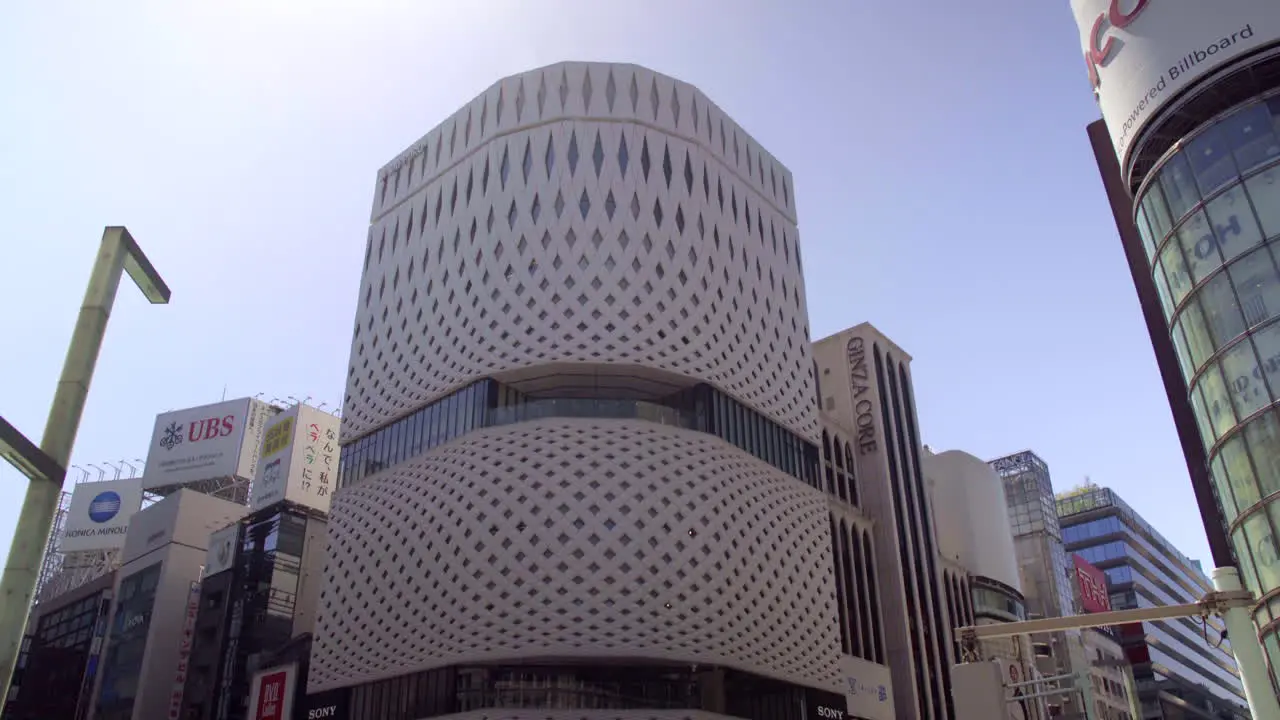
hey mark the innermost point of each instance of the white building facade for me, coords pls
(580, 466)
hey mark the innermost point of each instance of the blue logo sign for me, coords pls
(104, 507)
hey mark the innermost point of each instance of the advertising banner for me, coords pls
(868, 689)
(299, 460)
(1141, 53)
(184, 651)
(222, 550)
(1092, 582)
(251, 448)
(271, 693)
(206, 443)
(99, 514)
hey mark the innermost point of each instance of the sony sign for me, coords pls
(206, 443)
(821, 705)
(863, 407)
(1141, 54)
(99, 514)
(327, 705)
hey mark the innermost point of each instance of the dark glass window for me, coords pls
(1211, 161)
(489, 403)
(130, 626)
(1248, 133)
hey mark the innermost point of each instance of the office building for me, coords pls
(1053, 583)
(63, 644)
(1042, 559)
(1115, 694)
(1189, 152)
(580, 465)
(153, 612)
(262, 574)
(975, 543)
(979, 564)
(1047, 580)
(1179, 671)
(60, 654)
(258, 596)
(865, 385)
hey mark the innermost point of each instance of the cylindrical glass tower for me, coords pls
(1190, 95)
(1209, 216)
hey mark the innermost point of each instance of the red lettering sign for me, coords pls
(1094, 596)
(271, 696)
(210, 428)
(1099, 52)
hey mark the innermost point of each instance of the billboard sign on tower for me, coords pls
(271, 694)
(1092, 584)
(299, 460)
(1140, 54)
(99, 514)
(221, 554)
(206, 443)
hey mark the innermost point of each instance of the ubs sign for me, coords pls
(863, 408)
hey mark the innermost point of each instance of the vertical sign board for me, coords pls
(271, 693)
(1092, 582)
(299, 460)
(205, 443)
(868, 689)
(99, 514)
(222, 550)
(251, 448)
(184, 651)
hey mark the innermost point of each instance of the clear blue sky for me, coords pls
(944, 182)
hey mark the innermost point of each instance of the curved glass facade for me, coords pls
(1209, 217)
(489, 403)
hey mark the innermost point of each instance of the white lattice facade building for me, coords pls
(580, 463)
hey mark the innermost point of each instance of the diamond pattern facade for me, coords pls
(581, 217)
(583, 213)
(578, 538)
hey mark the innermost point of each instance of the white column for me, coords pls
(1248, 651)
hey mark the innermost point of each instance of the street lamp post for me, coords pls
(45, 467)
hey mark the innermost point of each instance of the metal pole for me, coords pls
(1248, 651)
(117, 254)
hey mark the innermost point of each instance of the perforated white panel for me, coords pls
(583, 213)
(578, 538)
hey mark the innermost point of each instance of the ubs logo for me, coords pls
(196, 431)
(172, 436)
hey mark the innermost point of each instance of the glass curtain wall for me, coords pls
(1209, 216)
(489, 403)
(129, 629)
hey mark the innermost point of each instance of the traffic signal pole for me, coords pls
(1228, 600)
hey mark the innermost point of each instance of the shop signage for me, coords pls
(863, 408)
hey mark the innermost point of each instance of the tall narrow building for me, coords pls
(866, 386)
(580, 463)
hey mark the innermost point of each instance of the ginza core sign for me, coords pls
(1142, 55)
